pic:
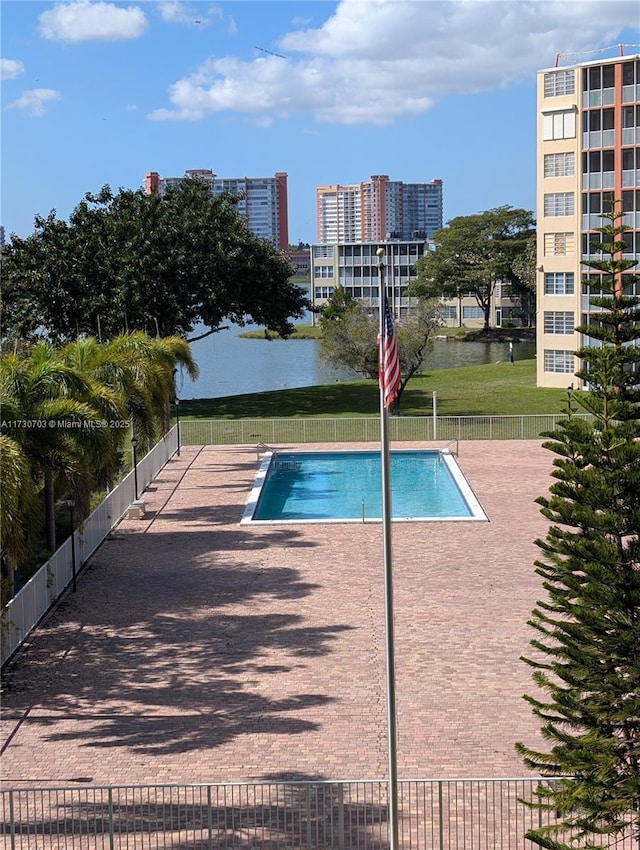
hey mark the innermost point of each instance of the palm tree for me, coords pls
(143, 367)
(18, 509)
(65, 415)
(132, 378)
(88, 357)
(57, 424)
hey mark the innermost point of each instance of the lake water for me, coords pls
(231, 365)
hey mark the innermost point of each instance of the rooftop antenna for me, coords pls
(621, 46)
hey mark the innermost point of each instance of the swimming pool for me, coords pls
(345, 486)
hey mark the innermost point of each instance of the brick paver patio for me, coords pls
(200, 650)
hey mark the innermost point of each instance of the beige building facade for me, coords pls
(355, 267)
(588, 153)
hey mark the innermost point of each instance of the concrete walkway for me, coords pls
(200, 650)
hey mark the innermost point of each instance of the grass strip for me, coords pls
(492, 389)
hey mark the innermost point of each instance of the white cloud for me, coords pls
(181, 12)
(174, 12)
(91, 21)
(374, 61)
(35, 101)
(10, 68)
(177, 12)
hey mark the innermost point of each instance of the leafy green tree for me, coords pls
(132, 261)
(339, 303)
(524, 279)
(472, 254)
(587, 649)
(350, 339)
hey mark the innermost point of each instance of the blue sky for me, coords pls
(98, 92)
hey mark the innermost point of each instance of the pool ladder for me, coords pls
(261, 448)
(451, 443)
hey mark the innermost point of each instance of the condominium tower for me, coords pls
(378, 209)
(262, 200)
(588, 134)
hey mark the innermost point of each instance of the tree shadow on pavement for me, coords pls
(176, 642)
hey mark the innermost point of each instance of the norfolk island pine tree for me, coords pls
(587, 660)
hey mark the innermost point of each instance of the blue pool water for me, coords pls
(346, 486)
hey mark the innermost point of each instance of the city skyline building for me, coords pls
(263, 201)
(378, 209)
(588, 154)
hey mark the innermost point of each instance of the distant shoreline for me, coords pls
(494, 335)
(464, 334)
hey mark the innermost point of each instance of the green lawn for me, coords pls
(301, 332)
(496, 388)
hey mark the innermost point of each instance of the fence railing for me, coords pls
(439, 814)
(32, 601)
(212, 432)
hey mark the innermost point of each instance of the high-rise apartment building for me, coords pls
(588, 154)
(263, 200)
(378, 209)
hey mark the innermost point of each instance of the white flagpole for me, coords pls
(388, 582)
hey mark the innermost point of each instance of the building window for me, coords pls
(323, 271)
(631, 200)
(631, 116)
(448, 311)
(558, 283)
(559, 164)
(559, 203)
(559, 244)
(594, 162)
(628, 76)
(630, 159)
(598, 77)
(472, 313)
(558, 361)
(323, 291)
(559, 322)
(560, 124)
(598, 119)
(557, 83)
(596, 203)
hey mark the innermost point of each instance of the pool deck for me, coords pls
(198, 650)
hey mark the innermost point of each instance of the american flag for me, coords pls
(389, 363)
